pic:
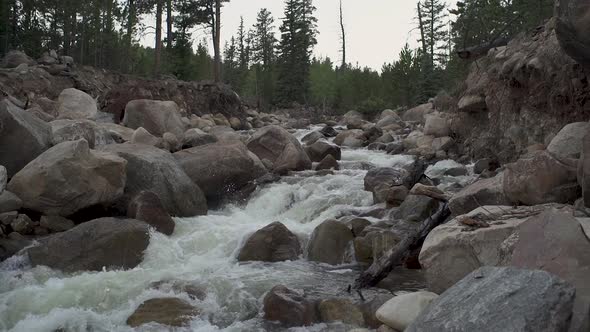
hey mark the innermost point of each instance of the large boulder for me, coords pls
(388, 120)
(9, 202)
(101, 243)
(399, 312)
(74, 104)
(554, 242)
(196, 137)
(273, 243)
(157, 117)
(387, 176)
(341, 310)
(418, 113)
(169, 311)
(455, 249)
(68, 178)
(147, 207)
(416, 208)
(320, 149)
(583, 171)
(541, 178)
(371, 244)
(483, 192)
(289, 307)
(328, 242)
(501, 299)
(572, 29)
(568, 142)
(436, 126)
(22, 137)
(220, 169)
(156, 170)
(282, 149)
(354, 138)
(72, 130)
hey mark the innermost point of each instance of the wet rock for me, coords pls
(146, 206)
(429, 191)
(72, 130)
(328, 242)
(436, 126)
(394, 148)
(281, 148)
(70, 177)
(385, 176)
(106, 242)
(14, 59)
(444, 143)
(157, 117)
(446, 168)
(168, 311)
(220, 169)
(312, 137)
(377, 146)
(329, 162)
(416, 208)
(568, 142)
(56, 224)
(481, 165)
(372, 133)
(341, 310)
(357, 225)
(373, 243)
(500, 299)
(540, 179)
(196, 137)
(156, 170)
(350, 138)
(399, 312)
(289, 307)
(9, 202)
(73, 104)
(194, 291)
(273, 243)
(320, 149)
(417, 114)
(554, 242)
(12, 244)
(23, 137)
(483, 192)
(329, 131)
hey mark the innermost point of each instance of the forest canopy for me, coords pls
(271, 63)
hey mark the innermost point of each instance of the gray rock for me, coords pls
(142, 136)
(472, 104)
(220, 169)
(196, 137)
(312, 137)
(328, 242)
(156, 170)
(402, 310)
(373, 243)
(568, 142)
(14, 59)
(320, 149)
(146, 206)
(281, 148)
(169, 311)
(554, 242)
(9, 202)
(436, 126)
(72, 130)
(23, 137)
(329, 162)
(74, 104)
(501, 299)
(583, 170)
(68, 178)
(12, 244)
(385, 176)
(106, 242)
(22, 224)
(483, 192)
(329, 131)
(416, 208)
(56, 224)
(289, 307)
(157, 117)
(481, 165)
(341, 310)
(417, 114)
(273, 243)
(354, 138)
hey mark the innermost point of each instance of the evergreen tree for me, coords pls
(263, 56)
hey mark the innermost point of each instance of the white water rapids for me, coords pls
(202, 250)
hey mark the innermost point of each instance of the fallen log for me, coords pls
(382, 267)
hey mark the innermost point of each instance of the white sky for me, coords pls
(376, 29)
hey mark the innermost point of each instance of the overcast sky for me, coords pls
(376, 29)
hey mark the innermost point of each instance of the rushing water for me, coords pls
(202, 250)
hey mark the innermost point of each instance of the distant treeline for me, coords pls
(270, 64)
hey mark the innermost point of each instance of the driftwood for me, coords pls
(381, 268)
(477, 51)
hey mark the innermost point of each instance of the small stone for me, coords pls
(22, 224)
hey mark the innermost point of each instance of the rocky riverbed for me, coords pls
(149, 211)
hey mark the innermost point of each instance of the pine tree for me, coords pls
(263, 56)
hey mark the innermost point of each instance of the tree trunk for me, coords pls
(343, 37)
(169, 25)
(129, 37)
(217, 41)
(422, 35)
(396, 255)
(432, 40)
(158, 48)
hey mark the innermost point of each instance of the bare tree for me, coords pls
(158, 48)
(169, 18)
(343, 37)
(217, 41)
